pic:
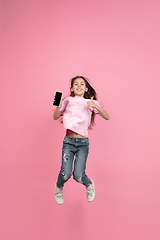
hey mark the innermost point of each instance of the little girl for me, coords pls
(78, 111)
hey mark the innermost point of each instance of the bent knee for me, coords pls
(77, 177)
(66, 176)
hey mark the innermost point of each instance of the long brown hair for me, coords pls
(90, 93)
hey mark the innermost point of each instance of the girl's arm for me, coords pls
(101, 111)
(57, 113)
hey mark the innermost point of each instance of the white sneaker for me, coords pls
(90, 192)
(59, 195)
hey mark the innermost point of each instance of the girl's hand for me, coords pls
(101, 111)
(58, 113)
(91, 103)
(60, 105)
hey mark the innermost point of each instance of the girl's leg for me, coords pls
(80, 165)
(79, 170)
(67, 164)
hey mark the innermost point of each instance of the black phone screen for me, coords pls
(57, 100)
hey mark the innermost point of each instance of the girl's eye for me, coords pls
(82, 84)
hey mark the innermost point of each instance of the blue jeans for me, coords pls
(78, 147)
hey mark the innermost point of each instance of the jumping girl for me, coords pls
(78, 111)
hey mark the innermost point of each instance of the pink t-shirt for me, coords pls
(77, 114)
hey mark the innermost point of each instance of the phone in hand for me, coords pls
(57, 99)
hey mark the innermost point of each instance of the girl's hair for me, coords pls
(90, 93)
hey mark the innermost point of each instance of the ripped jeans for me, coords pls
(78, 147)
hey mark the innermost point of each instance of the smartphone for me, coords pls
(57, 99)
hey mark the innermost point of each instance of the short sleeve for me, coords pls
(64, 104)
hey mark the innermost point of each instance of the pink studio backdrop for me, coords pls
(116, 45)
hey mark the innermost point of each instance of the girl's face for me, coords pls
(79, 87)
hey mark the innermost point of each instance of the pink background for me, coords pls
(115, 44)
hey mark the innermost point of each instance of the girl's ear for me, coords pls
(86, 89)
(71, 89)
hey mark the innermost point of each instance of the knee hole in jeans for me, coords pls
(80, 180)
(77, 177)
(65, 177)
